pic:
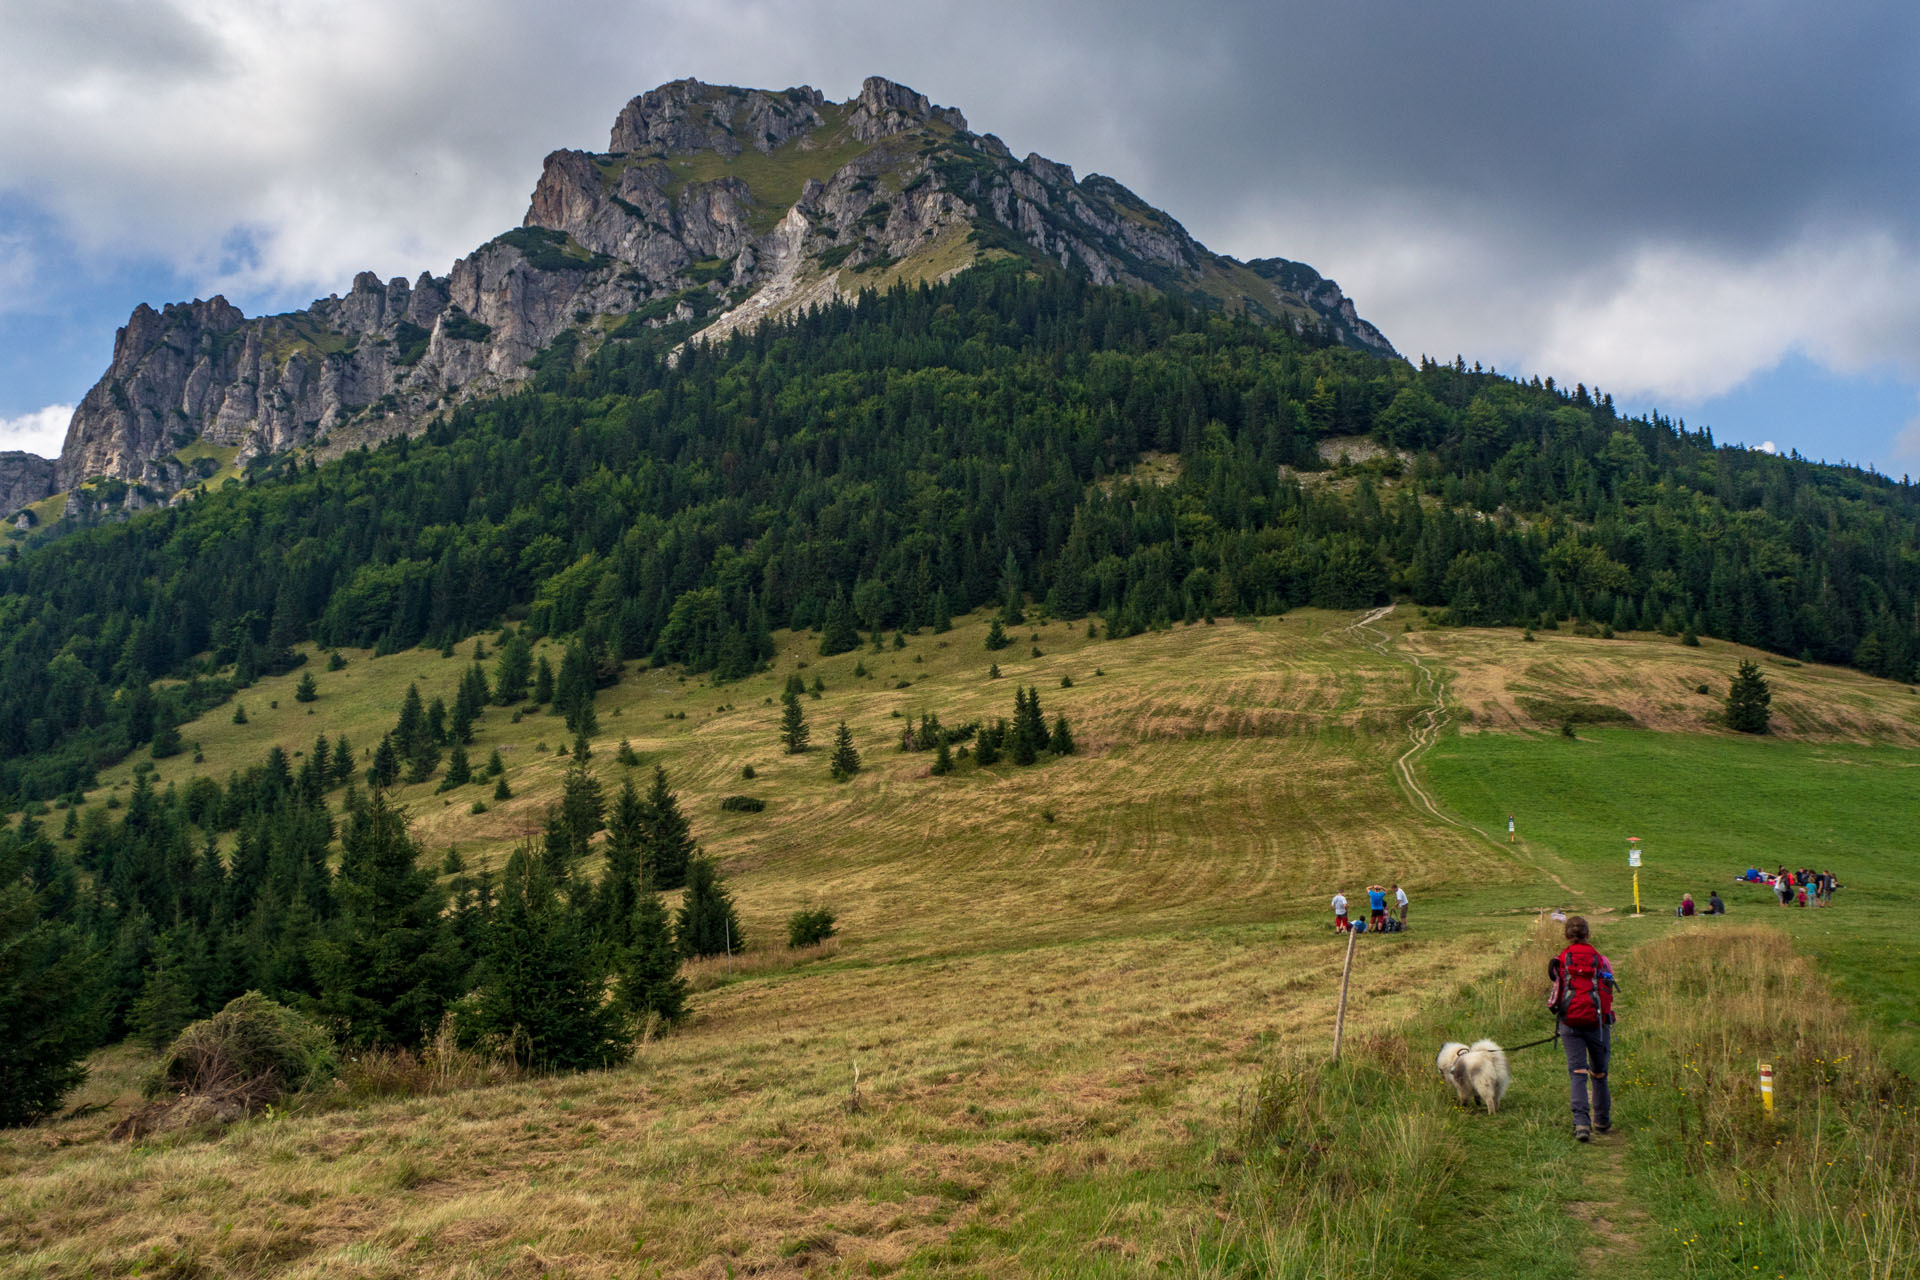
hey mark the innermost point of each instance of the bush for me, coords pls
(810, 925)
(743, 804)
(251, 1054)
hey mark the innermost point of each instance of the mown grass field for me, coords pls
(1067, 1028)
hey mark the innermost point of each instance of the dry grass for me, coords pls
(1055, 1021)
(1827, 1186)
(996, 1088)
(1655, 680)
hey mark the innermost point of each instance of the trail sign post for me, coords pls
(1510, 829)
(1633, 860)
(1766, 1087)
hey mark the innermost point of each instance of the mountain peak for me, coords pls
(715, 207)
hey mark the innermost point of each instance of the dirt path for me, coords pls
(1424, 730)
(1616, 1225)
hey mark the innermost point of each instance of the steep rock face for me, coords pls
(24, 478)
(714, 207)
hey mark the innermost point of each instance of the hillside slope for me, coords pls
(1066, 1028)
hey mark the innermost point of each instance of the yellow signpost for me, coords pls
(1633, 860)
(1766, 1087)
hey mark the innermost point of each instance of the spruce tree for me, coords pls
(436, 728)
(650, 981)
(1023, 752)
(166, 733)
(543, 682)
(942, 759)
(511, 672)
(845, 761)
(410, 731)
(385, 770)
(840, 634)
(1748, 699)
(986, 750)
(997, 636)
(622, 882)
(942, 615)
(343, 767)
(459, 770)
(793, 724)
(307, 690)
(669, 847)
(1062, 740)
(707, 924)
(501, 791)
(583, 808)
(49, 988)
(460, 720)
(542, 994)
(386, 967)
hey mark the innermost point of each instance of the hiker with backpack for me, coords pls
(1582, 1006)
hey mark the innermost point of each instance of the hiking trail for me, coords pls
(1424, 730)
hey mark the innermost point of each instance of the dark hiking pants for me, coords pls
(1587, 1050)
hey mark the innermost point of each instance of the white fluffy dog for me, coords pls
(1479, 1069)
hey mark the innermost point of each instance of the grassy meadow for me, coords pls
(1090, 1003)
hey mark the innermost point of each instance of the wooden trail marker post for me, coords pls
(1340, 1018)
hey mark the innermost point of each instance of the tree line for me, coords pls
(887, 462)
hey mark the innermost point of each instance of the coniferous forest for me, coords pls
(882, 464)
(892, 461)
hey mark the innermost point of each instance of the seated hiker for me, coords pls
(1686, 904)
(1715, 907)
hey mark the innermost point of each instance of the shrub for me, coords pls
(810, 925)
(249, 1055)
(743, 804)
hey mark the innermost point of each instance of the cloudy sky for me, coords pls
(1712, 208)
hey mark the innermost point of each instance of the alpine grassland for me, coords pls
(1076, 1018)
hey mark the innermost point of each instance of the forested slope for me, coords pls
(884, 463)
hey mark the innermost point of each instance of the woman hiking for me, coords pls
(1582, 1005)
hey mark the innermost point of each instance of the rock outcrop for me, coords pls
(714, 207)
(24, 478)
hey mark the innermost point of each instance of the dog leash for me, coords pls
(1529, 1044)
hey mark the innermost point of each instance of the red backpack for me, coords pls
(1582, 988)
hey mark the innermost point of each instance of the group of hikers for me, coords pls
(1379, 919)
(1806, 886)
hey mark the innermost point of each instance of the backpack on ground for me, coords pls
(1582, 993)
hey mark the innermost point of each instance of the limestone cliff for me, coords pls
(713, 207)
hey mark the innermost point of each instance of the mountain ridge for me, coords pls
(714, 208)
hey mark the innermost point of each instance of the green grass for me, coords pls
(1708, 807)
(1069, 1032)
(775, 178)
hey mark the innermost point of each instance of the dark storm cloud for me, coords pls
(1663, 196)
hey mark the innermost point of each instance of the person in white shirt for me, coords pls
(1340, 913)
(1400, 900)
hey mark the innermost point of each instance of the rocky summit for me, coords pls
(712, 208)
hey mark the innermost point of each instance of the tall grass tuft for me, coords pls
(1830, 1184)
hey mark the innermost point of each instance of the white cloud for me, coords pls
(1767, 446)
(1906, 445)
(42, 431)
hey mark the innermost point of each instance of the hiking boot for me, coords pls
(1582, 1134)
(1603, 1126)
